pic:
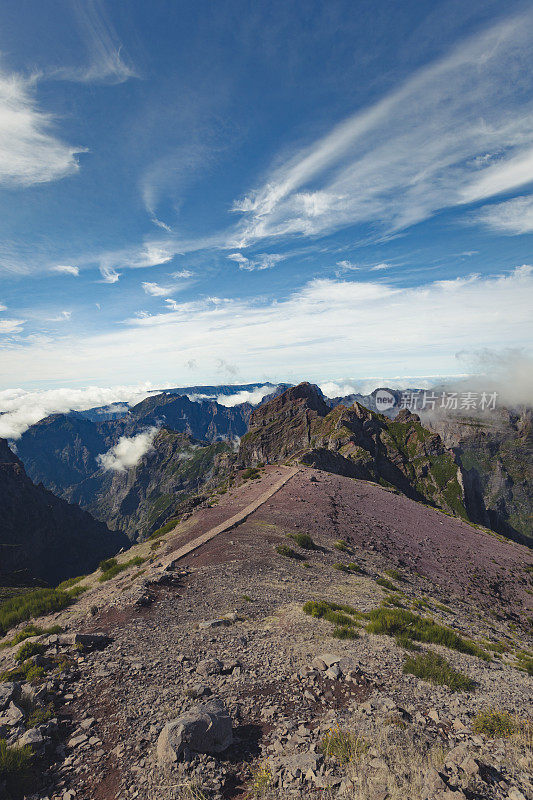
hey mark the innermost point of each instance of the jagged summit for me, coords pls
(355, 442)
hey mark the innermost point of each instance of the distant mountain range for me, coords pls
(478, 467)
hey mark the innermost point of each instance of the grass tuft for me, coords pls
(341, 545)
(386, 584)
(288, 552)
(434, 668)
(29, 649)
(110, 568)
(344, 632)
(15, 769)
(496, 723)
(31, 604)
(343, 745)
(303, 540)
(397, 621)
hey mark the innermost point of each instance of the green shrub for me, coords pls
(341, 545)
(15, 768)
(393, 600)
(396, 621)
(527, 665)
(31, 630)
(77, 590)
(336, 613)
(36, 603)
(344, 632)
(303, 540)
(493, 722)
(115, 568)
(107, 564)
(341, 567)
(29, 649)
(395, 574)
(351, 567)
(38, 716)
(343, 745)
(434, 668)
(251, 474)
(402, 640)
(288, 552)
(70, 582)
(386, 584)
(166, 528)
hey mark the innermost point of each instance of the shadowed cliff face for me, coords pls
(61, 450)
(357, 443)
(139, 500)
(43, 537)
(495, 451)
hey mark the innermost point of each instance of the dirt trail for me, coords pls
(232, 522)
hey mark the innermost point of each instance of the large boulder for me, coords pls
(205, 728)
(9, 691)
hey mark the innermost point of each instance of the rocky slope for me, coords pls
(139, 500)
(41, 536)
(61, 450)
(495, 451)
(355, 442)
(204, 677)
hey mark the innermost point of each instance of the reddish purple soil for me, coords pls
(466, 562)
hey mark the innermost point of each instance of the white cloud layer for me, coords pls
(452, 134)
(254, 397)
(511, 217)
(324, 329)
(19, 408)
(11, 325)
(128, 451)
(30, 152)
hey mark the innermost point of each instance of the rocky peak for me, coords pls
(303, 397)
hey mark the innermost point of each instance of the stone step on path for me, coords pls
(230, 523)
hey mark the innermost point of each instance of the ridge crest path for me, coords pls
(230, 523)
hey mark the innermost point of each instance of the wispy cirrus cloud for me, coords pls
(67, 269)
(30, 150)
(107, 61)
(11, 325)
(63, 316)
(512, 217)
(454, 133)
(259, 262)
(109, 274)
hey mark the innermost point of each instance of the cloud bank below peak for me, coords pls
(128, 451)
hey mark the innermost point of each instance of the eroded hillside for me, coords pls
(314, 615)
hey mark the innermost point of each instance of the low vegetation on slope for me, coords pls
(36, 603)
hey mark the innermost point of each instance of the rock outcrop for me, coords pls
(205, 728)
(357, 443)
(141, 499)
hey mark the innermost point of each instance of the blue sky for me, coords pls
(209, 192)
